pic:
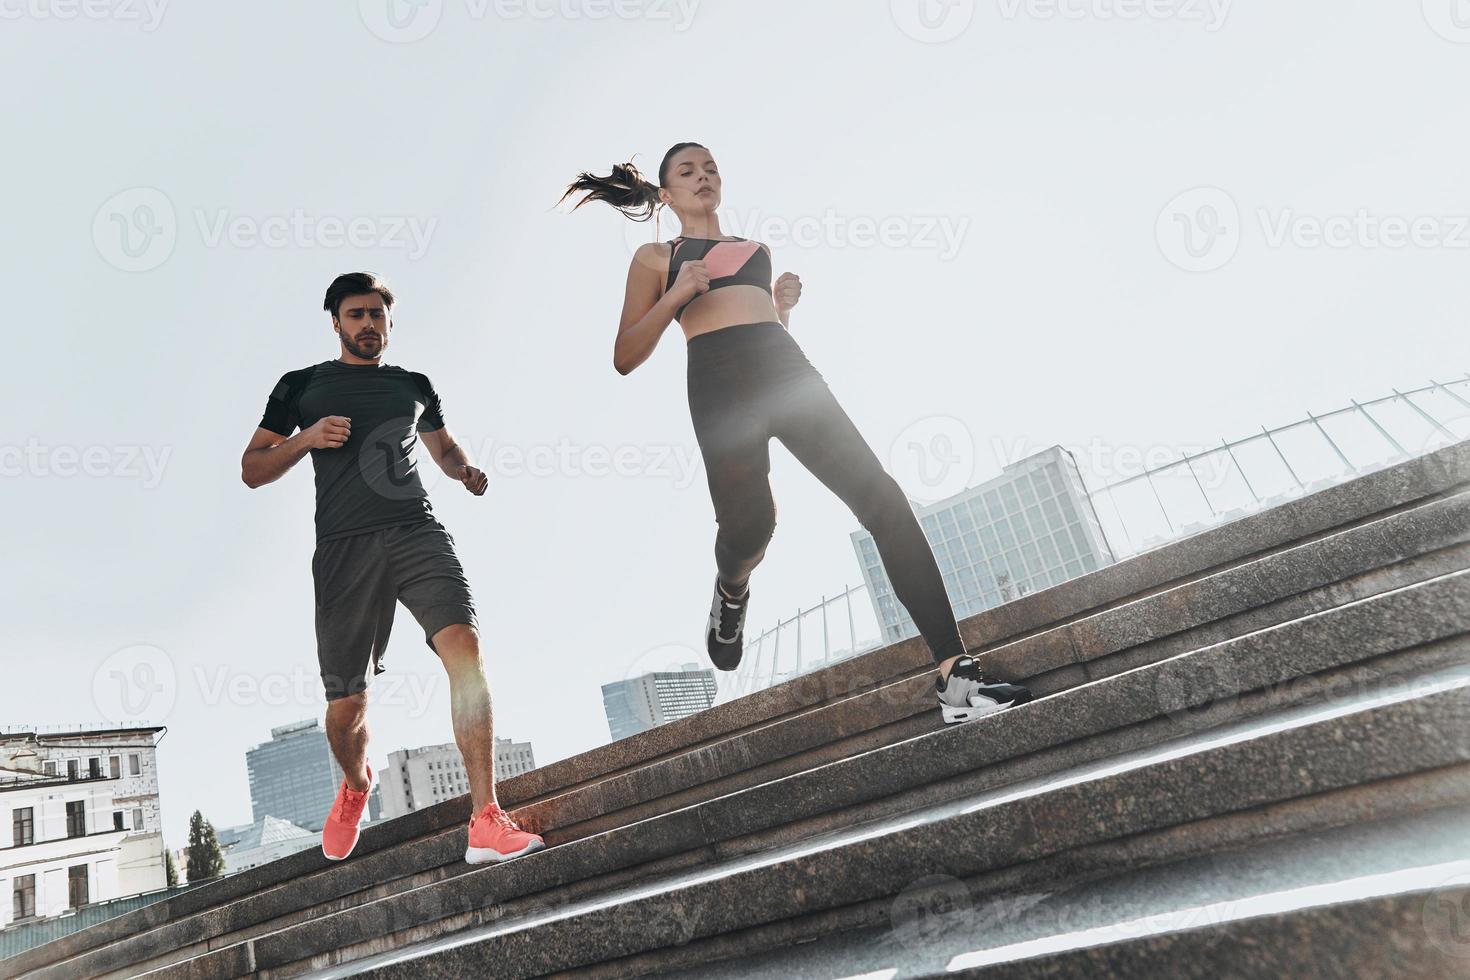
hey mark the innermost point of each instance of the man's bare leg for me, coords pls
(347, 733)
(469, 694)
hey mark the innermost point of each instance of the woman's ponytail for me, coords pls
(625, 189)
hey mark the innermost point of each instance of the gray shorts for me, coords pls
(360, 579)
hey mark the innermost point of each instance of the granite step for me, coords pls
(1363, 742)
(1391, 638)
(1374, 898)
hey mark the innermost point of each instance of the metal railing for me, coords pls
(1172, 501)
(767, 663)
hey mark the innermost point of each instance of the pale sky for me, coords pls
(982, 198)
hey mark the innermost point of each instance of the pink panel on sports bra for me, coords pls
(728, 258)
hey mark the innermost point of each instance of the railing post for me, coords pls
(1148, 475)
(1446, 390)
(826, 646)
(1381, 430)
(851, 629)
(1426, 416)
(1298, 479)
(1231, 453)
(1345, 461)
(1190, 466)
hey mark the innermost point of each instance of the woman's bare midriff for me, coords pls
(725, 308)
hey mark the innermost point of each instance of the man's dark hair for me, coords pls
(355, 284)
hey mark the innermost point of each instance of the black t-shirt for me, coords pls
(372, 480)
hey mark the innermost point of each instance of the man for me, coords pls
(378, 543)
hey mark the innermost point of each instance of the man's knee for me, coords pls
(748, 529)
(458, 645)
(347, 709)
(882, 505)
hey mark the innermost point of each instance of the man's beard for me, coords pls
(357, 351)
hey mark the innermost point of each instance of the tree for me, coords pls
(169, 869)
(203, 858)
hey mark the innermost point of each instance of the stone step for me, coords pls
(1247, 767)
(1296, 663)
(1374, 898)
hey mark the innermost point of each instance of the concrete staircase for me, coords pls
(1249, 756)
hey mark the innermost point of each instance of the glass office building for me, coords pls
(1029, 528)
(293, 776)
(640, 703)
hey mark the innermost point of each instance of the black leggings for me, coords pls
(750, 382)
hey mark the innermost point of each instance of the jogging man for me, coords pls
(378, 543)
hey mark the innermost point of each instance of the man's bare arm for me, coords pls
(270, 455)
(451, 457)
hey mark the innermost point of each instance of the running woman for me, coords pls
(748, 381)
(379, 543)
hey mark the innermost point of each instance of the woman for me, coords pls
(749, 381)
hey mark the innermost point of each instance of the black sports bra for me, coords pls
(737, 262)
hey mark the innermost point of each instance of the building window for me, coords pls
(137, 819)
(117, 820)
(76, 819)
(114, 767)
(73, 771)
(25, 897)
(76, 886)
(49, 767)
(94, 768)
(135, 765)
(24, 826)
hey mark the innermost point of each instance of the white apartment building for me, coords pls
(79, 820)
(417, 778)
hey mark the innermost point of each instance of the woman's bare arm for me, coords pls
(646, 313)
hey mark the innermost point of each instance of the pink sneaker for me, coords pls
(340, 832)
(494, 837)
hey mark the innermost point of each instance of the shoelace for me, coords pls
(730, 617)
(340, 811)
(495, 813)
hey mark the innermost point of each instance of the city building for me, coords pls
(79, 820)
(640, 703)
(293, 777)
(254, 844)
(1029, 528)
(416, 778)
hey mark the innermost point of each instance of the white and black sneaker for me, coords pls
(725, 639)
(970, 692)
